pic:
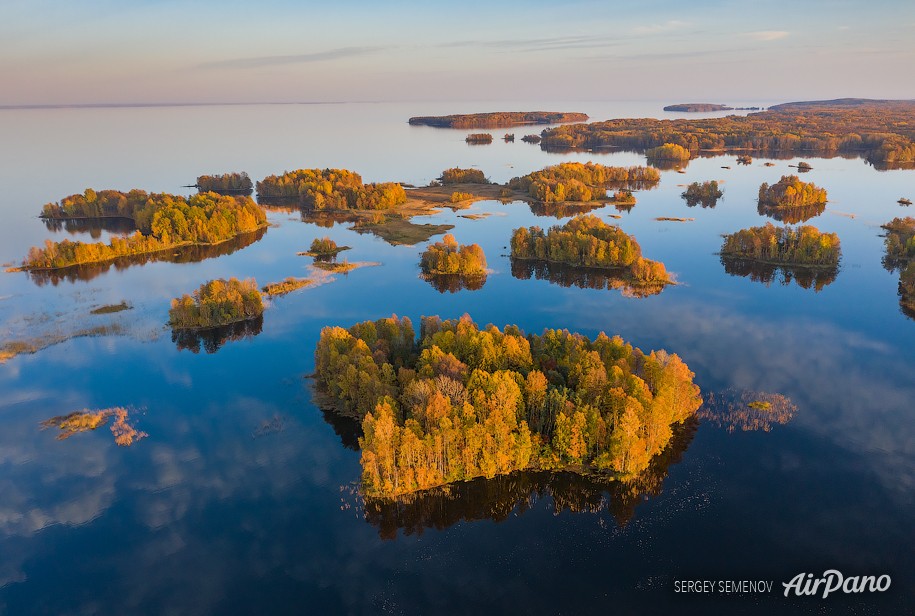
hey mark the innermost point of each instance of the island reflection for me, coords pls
(212, 339)
(581, 277)
(93, 226)
(766, 273)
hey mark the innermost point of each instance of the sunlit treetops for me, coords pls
(467, 402)
(705, 194)
(217, 303)
(163, 221)
(791, 192)
(587, 241)
(231, 183)
(479, 138)
(463, 176)
(499, 118)
(331, 189)
(325, 247)
(883, 132)
(579, 181)
(668, 151)
(900, 254)
(804, 246)
(449, 257)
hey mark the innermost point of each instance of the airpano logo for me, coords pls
(832, 581)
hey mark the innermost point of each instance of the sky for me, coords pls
(205, 51)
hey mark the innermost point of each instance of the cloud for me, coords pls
(667, 26)
(304, 58)
(767, 35)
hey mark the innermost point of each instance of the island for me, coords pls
(883, 132)
(324, 248)
(217, 303)
(705, 194)
(790, 192)
(164, 222)
(900, 255)
(805, 246)
(479, 138)
(668, 152)
(329, 189)
(531, 138)
(286, 286)
(226, 184)
(466, 402)
(580, 182)
(697, 107)
(456, 175)
(449, 257)
(499, 119)
(588, 242)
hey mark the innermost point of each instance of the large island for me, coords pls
(499, 119)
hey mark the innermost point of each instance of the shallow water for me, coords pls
(243, 497)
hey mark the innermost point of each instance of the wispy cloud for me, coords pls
(767, 35)
(667, 26)
(304, 58)
(538, 44)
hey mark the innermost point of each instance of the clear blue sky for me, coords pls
(123, 51)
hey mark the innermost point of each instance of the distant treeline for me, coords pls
(449, 257)
(587, 241)
(579, 181)
(882, 132)
(467, 402)
(499, 119)
(163, 221)
(331, 189)
(227, 183)
(791, 192)
(805, 246)
(217, 303)
(697, 107)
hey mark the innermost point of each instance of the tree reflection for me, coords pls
(581, 277)
(766, 273)
(792, 215)
(212, 339)
(92, 226)
(184, 254)
(497, 498)
(452, 283)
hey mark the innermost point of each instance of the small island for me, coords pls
(531, 138)
(164, 222)
(329, 189)
(668, 152)
(900, 255)
(286, 286)
(466, 402)
(697, 107)
(805, 246)
(217, 303)
(479, 138)
(580, 182)
(448, 257)
(499, 119)
(588, 242)
(457, 175)
(324, 248)
(790, 192)
(705, 194)
(226, 184)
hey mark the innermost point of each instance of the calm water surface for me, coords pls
(242, 498)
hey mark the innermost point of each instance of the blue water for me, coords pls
(212, 513)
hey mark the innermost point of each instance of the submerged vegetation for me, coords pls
(227, 183)
(746, 411)
(124, 434)
(466, 402)
(805, 246)
(499, 119)
(449, 257)
(587, 241)
(881, 131)
(332, 189)
(287, 285)
(217, 303)
(791, 192)
(580, 181)
(163, 222)
(705, 194)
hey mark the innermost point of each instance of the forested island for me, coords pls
(705, 194)
(465, 402)
(217, 303)
(324, 248)
(330, 189)
(226, 184)
(697, 107)
(883, 132)
(791, 192)
(163, 222)
(588, 242)
(479, 138)
(456, 175)
(580, 182)
(900, 255)
(449, 257)
(668, 152)
(805, 246)
(499, 119)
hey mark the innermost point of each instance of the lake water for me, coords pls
(243, 496)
